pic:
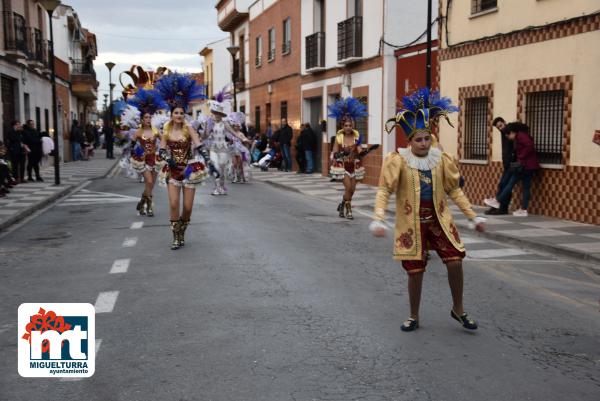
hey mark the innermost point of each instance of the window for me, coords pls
(258, 61)
(271, 55)
(478, 6)
(544, 113)
(257, 118)
(286, 46)
(242, 60)
(354, 8)
(46, 120)
(362, 124)
(283, 110)
(476, 128)
(38, 118)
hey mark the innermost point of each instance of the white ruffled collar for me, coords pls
(429, 162)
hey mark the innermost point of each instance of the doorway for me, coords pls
(315, 116)
(9, 107)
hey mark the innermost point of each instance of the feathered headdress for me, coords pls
(130, 117)
(349, 108)
(236, 118)
(217, 105)
(179, 90)
(148, 101)
(420, 111)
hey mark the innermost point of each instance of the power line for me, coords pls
(157, 38)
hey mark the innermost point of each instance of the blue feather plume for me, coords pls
(179, 90)
(222, 95)
(138, 150)
(148, 101)
(349, 107)
(424, 98)
(118, 107)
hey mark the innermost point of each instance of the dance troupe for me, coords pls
(180, 152)
(183, 153)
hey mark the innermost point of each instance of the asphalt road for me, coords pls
(275, 298)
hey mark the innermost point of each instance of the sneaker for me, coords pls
(39, 179)
(520, 213)
(216, 192)
(222, 191)
(491, 202)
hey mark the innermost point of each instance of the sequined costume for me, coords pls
(346, 162)
(185, 169)
(144, 153)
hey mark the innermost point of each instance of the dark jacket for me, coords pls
(14, 142)
(308, 139)
(525, 151)
(507, 148)
(76, 135)
(33, 139)
(285, 135)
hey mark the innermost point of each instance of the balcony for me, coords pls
(83, 79)
(228, 16)
(38, 49)
(15, 35)
(350, 40)
(315, 52)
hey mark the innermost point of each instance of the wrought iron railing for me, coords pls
(476, 128)
(350, 38)
(15, 32)
(478, 6)
(315, 50)
(544, 113)
(83, 67)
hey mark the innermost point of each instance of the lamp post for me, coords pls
(233, 50)
(110, 66)
(50, 6)
(105, 100)
(428, 57)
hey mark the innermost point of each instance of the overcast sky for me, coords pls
(149, 33)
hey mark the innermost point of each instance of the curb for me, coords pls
(519, 242)
(26, 212)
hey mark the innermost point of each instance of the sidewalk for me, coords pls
(568, 238)
(25, 199)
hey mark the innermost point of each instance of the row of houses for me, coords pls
(25, 68)
(531, 60)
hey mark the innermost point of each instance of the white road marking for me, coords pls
(120, 266)
(105, 303)
(494, 253)
(136, 225)
(129, 242)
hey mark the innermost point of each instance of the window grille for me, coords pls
(544, 114)
(476, 128)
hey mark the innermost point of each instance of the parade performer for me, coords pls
(422, 177)
(129, 121)
(144, 142)
(186, 159)
(240, 155)
(219, 137)
(345, 163)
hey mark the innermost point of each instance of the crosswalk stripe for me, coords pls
(120, 266)
(130, 242)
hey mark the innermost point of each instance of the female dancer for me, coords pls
(239, 152)
(144, 141)
(182, 172)
(345, 157)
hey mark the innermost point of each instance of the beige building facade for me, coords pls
(536, 62)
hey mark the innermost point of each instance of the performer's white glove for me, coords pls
(378, 228)
(477, 223)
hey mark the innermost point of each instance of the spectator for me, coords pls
(16, 151)
(47, 146)
(33, 140)
(309, 141)
(507, 157)
(285, 141)
(108, 139)
(522, 169)
(4, 171)
(88, 144)
(300, 152)
(76, 138)
(250, 131)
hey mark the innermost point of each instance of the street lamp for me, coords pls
(428, 56)
(234, 50)
(105, 100)
(110, 66)
(50, 6)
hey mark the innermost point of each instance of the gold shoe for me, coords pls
(149, 206)
(183, 226)
(349, 210)
(175, 227)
